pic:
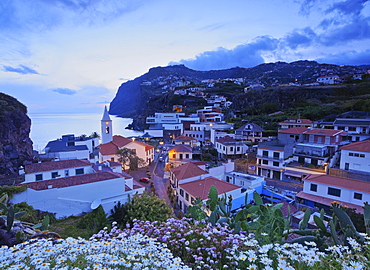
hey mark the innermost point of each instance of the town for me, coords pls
(309, 164)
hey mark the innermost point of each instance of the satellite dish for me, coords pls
(95, 204)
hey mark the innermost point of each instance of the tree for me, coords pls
(129, 158)
(95, 135)
(145, 207)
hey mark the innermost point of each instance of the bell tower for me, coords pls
(106, 127)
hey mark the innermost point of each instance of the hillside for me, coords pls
(154, 91)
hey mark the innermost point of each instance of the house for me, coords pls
(358, 128)
(78, 194)
(186, 140)
(189, 191)
(56, 169)
(108, 151)
(210, 114)
(202, 131)
(356, 157)
(227, 147)
(186, 173)
(320, 191)
(271, 158)
(71, 147)
(180, 154)
(247, 181)
(296, 122)
(329, 79)
(250, 132)
(168, 125)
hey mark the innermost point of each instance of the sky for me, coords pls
(72, 55)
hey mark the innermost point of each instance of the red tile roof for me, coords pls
(294, 130)
(118, 142)
(147, 146)
(327, 132)
(328, 201)
(362, 146)
(187, 170)
(180, 148)
(56, 165)
(339, 182)
(76, 180)
(200, 188)
(226, 139)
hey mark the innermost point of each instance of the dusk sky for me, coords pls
(72, 55)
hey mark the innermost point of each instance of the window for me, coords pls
(351, 128)
(181, 192)
(265, 153)
(173, 155)
(266, 162)
(70, 143)
(66, 172)
(238, 149)
(275, 163)
(231, 148)
(186, 155)
(79, 171)
(38, 177)
(346, 166)
(334, 192)
(54, 175)
(313, 187)
(350, 154)
(276, 155)
(357, 196)
(187, 196)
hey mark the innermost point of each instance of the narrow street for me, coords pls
(156, 171)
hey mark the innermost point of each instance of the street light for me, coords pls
(246, 156)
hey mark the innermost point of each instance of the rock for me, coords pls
(15, 143)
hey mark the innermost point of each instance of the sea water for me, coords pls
(49, 127)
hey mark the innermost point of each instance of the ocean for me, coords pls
(49, 127)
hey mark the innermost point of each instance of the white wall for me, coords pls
(355, 162)
(219, 172)
(75, 199)
(31, 177)
(345, 196)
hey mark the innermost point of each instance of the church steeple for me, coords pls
(106, 127)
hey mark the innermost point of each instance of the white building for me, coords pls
(56, 169)
(356, 157)
(329, 79)
(75, 195)
(106, 127)
(108, 151)
(227, 147)
(319, 191)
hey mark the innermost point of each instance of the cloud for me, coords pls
(348, 7)
(38, 15)
(21, 69)
(303, 37)
(64, 91)
(351, 57)
(246, 55)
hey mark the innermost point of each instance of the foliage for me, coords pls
(8, 212)
(129, 158)
(143, 207)
(93, 221)
(31, 215)
(12, 190)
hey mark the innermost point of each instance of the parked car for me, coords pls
(144, 180)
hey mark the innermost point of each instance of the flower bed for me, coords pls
(179, 244)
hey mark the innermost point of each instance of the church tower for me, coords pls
(106, 127)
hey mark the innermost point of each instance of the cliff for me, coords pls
(135, 98)
(15, 144)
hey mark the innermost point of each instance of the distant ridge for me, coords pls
(133, 96)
